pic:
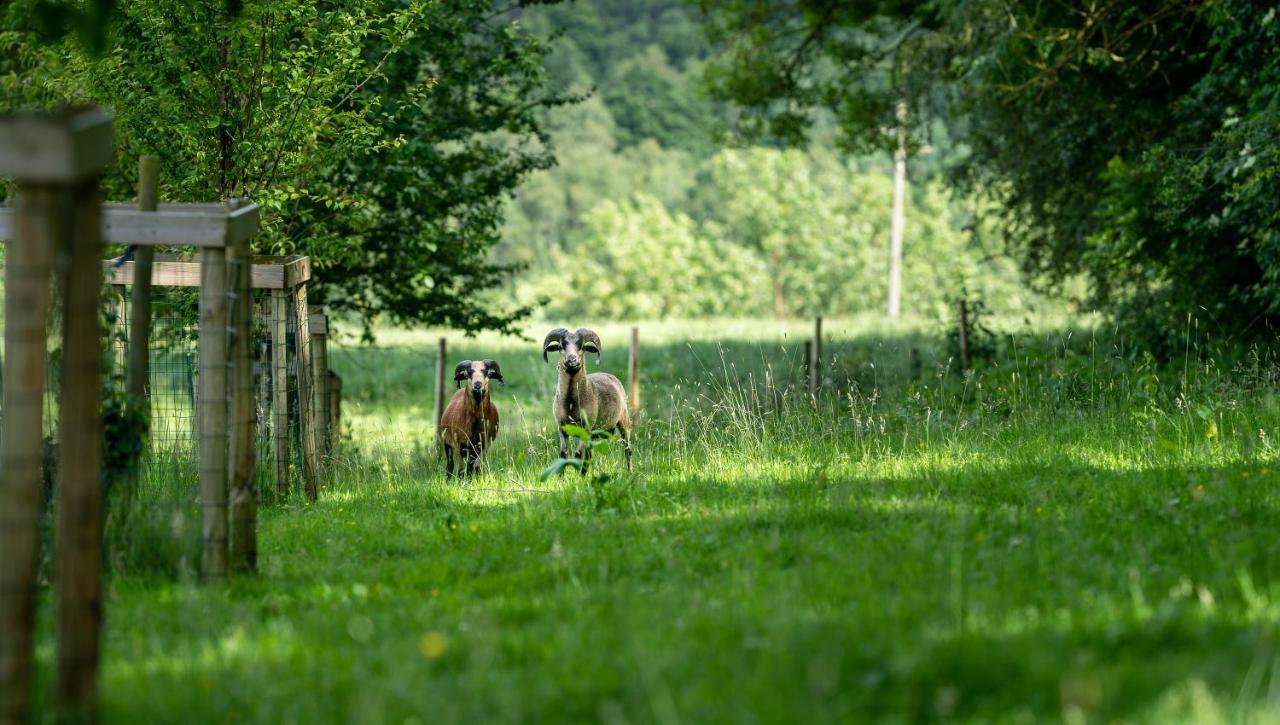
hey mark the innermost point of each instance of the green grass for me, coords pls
(1071, 533)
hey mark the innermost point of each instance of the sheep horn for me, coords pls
(587, 335)
(555, 336)
(460, 372)
(496, 373)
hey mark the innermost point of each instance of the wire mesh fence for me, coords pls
(173, 360)
(173, 378)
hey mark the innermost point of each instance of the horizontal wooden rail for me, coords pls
(317, 322)
(194, 225)
(177, 270)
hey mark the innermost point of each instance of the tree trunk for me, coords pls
(895, 234)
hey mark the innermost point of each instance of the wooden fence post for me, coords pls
(815, 368)
(56, 160)
(138, 360)
(40, 218)
(79, 507)
(213, 413)
(306, 403)
(280, 390)
(243, 450)
(633, 370)
(319, 325)
(964, 336)
(440, 370)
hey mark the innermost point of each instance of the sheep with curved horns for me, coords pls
(470, 422)
(592, 401)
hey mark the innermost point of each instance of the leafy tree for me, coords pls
(1131, 141)
(773, 205)
(379, 136)
(635, 259)
(770, 232)
(650, 100)
(644, 59)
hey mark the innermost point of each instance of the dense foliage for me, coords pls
(654, 212)
(381, 137)
(1132, 141)
(770, 233)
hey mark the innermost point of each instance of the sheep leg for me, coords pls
(471, 460)
(564, 444)
(448, 460)
(584, 452)
(626, 446)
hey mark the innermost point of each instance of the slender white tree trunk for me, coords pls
(895, 232)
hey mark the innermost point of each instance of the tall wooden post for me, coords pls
(815, 369)
(213, 413)
(897, 221)
(138, 359)
(56, 161)
(243, 449)
(306, 402)
(964, 336)
(319, 325)
(439, 403)
(633, 370)
(78, 535)
(280, 390)
(40, 221)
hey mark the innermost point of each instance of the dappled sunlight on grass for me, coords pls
(1023, 542)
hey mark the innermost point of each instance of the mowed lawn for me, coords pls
(1073, 533)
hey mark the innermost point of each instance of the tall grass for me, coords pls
(1072, 530)
(708, 396)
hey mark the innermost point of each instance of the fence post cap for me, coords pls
(56, 148)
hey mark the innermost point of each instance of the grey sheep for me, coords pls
(592, 401)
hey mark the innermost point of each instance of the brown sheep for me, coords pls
(470, 422)
(594, 401)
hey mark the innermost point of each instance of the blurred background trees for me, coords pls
(661, 206)
(463, 163)
(1132, 142)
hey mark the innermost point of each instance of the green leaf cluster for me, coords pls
(380, 137)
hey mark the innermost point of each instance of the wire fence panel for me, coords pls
(173, 374)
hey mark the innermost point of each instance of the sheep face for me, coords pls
(477, 374)
(572, 346)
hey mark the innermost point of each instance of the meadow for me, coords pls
(1071, 532)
